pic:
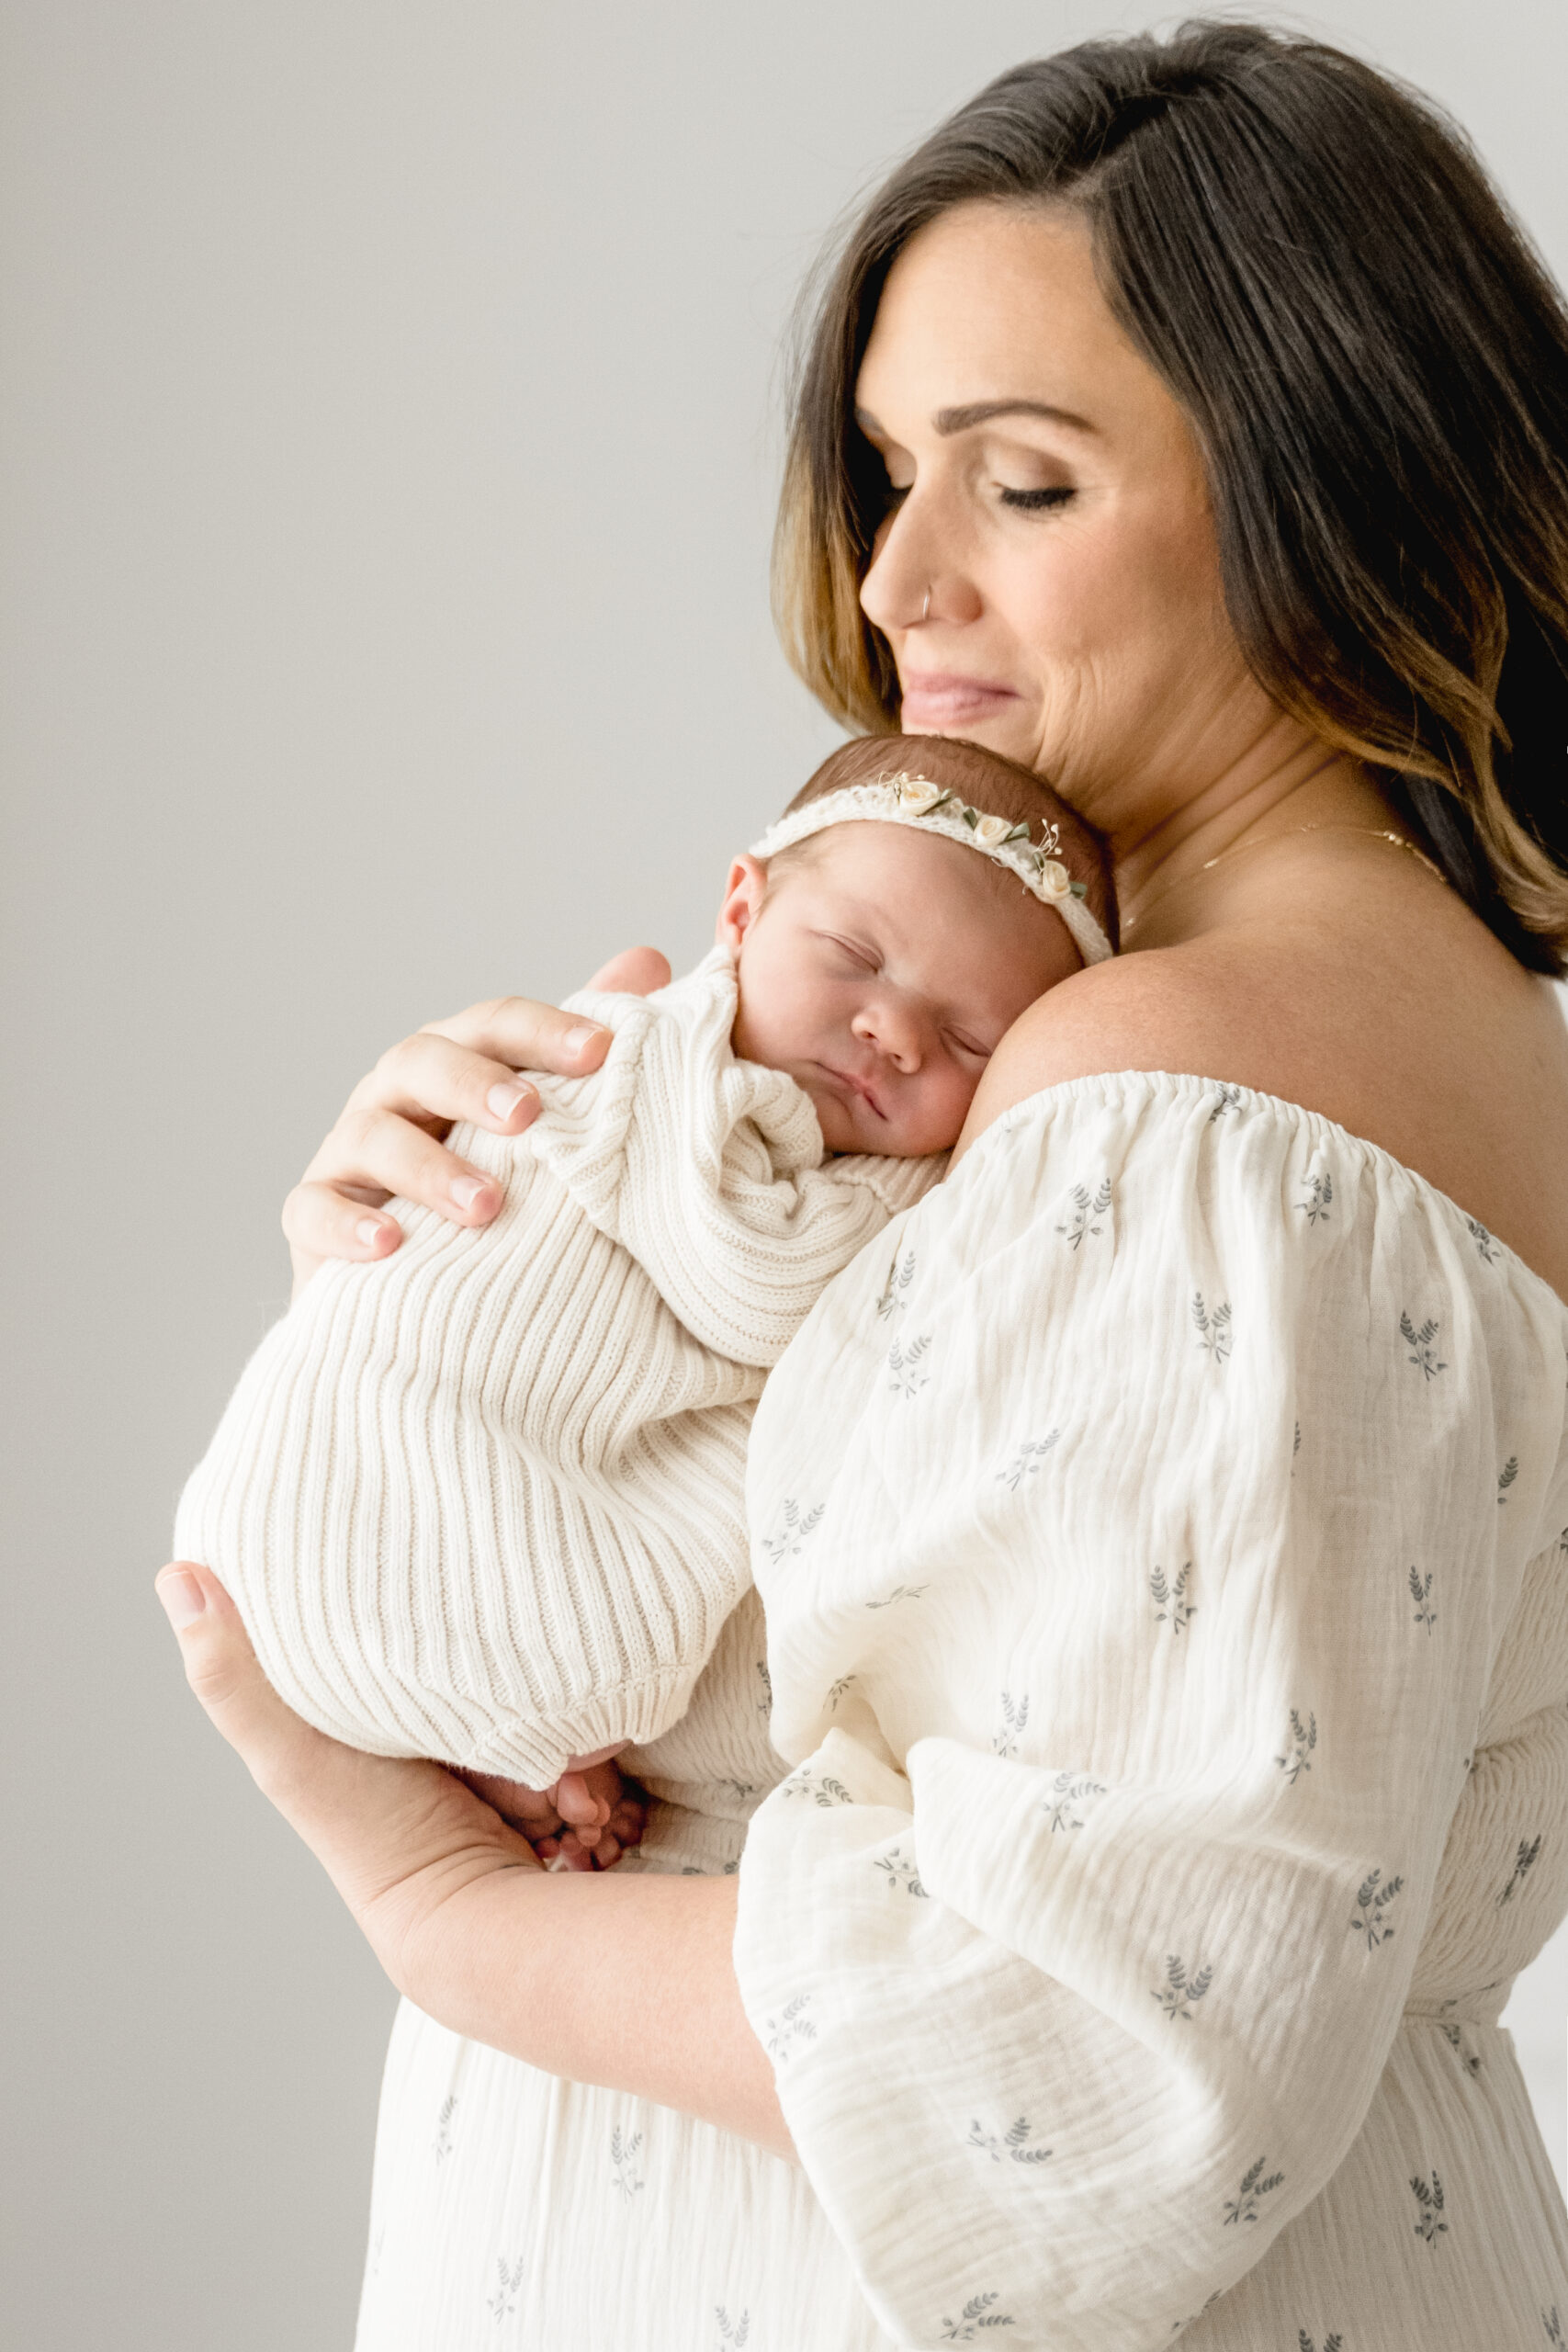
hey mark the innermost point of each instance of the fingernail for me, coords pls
(577, 1039)
(182, 1597)
(466, 1190)
(502, 1100)
(368, 1231)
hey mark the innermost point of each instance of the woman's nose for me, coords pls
(912, 580)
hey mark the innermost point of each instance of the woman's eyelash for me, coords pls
(1032, 500)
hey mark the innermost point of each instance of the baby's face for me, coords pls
(880, 971)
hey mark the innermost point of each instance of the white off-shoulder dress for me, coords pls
(1163, 1531)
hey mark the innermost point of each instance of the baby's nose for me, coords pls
(895, 1030)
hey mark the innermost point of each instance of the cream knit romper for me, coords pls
(483, 1500)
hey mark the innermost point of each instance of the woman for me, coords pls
(1188, 420)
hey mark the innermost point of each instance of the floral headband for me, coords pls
(915, 800)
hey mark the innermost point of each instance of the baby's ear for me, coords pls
(743, 896)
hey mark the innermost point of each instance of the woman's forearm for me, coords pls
(623, 1979)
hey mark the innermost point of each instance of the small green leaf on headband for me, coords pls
(1079, 890)
(1019, 833)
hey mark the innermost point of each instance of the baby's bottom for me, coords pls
(583, 1823)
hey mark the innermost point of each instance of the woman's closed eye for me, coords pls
(1036, 501)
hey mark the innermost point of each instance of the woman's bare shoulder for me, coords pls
(1454, 1059)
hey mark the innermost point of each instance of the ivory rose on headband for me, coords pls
(916, 800)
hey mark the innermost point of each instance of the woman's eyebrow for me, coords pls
(959, 419)
(948, 421)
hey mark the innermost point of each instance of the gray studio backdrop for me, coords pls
(389, 449)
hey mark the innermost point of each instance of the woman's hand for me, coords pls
(600, 1977)
(398, 1839)
(389, 1137)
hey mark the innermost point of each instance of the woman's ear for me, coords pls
(743, 896)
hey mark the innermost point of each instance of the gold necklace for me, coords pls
(1237, 849)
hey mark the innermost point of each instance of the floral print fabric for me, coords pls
(1177, 1683)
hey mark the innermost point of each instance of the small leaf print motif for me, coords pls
(1071, 1792)
(1011, 2146)
(1227, 1099)
(899, 1875)
(1429, 2196)
(732, 2332)
(1508, 1473)
(794, 1533)
(1319, 1201)
(1214, 1330)
(790, 2028)
(899, 1593)
(1172, 1606)
(1027, 1460)
(1330, 2343)
(1455, 2040)
(1080, 1224)
(825, 1791)
(904, 1364)
(1421, 1594)
(1552, 2326)
(444, 2126)
(765, 1703)
(503, 2303)
(1004, 1743)
(1179, 1992)
(836, 1691)
(623, 2157)
(1303, 1740)
(1524, 1862)
(1244, 2205)
(976, 2314)
(896, 1296)
(1422, 1346)
(1485, 1243)
(1371, 1903)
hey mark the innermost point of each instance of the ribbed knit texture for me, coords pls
(483, 1500)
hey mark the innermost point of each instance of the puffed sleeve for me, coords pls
(710, 1171)
(1136, 1525)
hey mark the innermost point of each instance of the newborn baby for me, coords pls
(483, 1500)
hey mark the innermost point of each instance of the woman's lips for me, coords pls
(935, 698)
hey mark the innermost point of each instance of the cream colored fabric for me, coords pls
(1176, 1677)
(1140, 1796)
(482, 1500)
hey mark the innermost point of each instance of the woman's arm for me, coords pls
(623, 1981)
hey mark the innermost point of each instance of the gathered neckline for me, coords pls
(1188, 1082)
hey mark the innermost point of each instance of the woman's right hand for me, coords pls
(389, 1139)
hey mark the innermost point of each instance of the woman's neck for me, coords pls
(1277, 790)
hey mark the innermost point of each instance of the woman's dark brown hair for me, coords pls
(1374, 361)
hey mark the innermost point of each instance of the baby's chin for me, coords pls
(844, 1130)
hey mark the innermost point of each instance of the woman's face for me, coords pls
(1047, 490)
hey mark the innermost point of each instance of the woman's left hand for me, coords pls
(398, 1839)
(598, 1975)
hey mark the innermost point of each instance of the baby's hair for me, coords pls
(999, 786)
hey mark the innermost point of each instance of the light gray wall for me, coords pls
(388, 396)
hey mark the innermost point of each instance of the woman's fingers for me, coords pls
(516, 1031)
(221, 1669)
(636, 971)
(395, 1836)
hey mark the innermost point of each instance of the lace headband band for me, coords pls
(915, 800)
